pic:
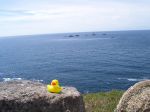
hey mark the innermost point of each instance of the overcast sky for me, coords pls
(25, 17)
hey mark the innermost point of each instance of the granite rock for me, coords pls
(136, 98)
(29, 96)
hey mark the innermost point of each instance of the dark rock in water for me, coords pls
(71, 36)
(28, 96)
(93, 34)
(136, 98)
(104, 34)
(77, 35)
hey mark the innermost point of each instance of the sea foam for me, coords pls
(133, 79)
(10, 79)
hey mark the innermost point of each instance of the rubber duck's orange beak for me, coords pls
(53, 83)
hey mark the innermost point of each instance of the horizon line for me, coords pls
(71, 33)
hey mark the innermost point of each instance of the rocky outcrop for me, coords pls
(28, 96)
(136, 98)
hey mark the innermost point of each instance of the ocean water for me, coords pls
(91, 61)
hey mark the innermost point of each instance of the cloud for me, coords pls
(105, 11)
(28, 15)
(58, 11)
(14, 12)
(53, 17)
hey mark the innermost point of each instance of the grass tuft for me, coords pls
(102, 101)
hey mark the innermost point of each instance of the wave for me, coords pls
(133, 79)
(13, 79)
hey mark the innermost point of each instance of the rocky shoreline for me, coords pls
(31, 96)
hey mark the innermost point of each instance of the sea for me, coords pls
(89, 61)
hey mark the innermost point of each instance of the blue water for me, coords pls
(92, 62)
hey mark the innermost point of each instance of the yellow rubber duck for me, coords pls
(54, 87)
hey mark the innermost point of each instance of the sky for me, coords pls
(27, 17)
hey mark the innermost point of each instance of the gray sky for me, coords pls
(25, 17)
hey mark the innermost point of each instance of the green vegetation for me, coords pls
(103, 101)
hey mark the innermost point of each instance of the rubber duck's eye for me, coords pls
(53, 83)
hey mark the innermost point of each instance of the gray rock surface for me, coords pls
(136, 98)
(28, 96)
